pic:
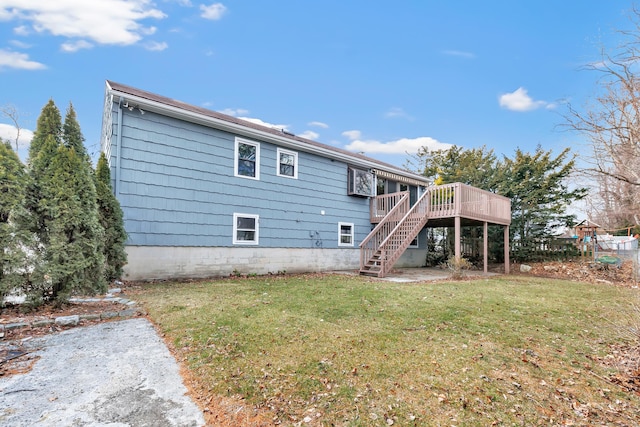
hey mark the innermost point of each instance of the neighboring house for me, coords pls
(207, 194)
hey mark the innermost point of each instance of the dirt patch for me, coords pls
(584, 271)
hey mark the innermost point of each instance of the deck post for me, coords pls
(457, 237)
(485, 251)
(506, 249)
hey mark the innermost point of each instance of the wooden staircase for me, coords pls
(380, 250)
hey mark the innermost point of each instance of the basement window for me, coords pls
(245, 229)
(345, 234)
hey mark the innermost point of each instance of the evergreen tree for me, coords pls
(73, 260)
(45, 142)
(13, 178)
(476, 166)
(110, 216)
(49, 124)
(537, 186)
(72, 135)
(61, 212)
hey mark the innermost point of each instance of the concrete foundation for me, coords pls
(162, 262)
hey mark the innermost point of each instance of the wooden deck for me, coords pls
(398, 223)
(448, 201)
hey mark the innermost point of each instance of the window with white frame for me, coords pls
(345, 234)
(287, 163)
(245, 229)
(414, 243)
(247, 159)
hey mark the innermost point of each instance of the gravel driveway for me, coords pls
(112, 374)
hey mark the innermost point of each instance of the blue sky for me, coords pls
(383, 78)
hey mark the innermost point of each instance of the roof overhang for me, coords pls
(283, 140)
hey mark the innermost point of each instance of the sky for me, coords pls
(376, 77)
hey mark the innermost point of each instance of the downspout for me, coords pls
(118, 149)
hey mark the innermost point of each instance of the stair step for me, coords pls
(369, 273)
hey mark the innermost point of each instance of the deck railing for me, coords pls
(381, 205)
(451, 200)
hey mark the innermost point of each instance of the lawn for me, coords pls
(350, 351)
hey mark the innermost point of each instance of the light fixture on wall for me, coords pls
(141, 110)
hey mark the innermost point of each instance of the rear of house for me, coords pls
(206, 194)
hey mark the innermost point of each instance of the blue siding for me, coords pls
(177, 188)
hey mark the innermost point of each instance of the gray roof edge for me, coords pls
(178, 109)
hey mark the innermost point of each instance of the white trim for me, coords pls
(417, 245)
(236, 158)
(295, 162)
(352, 235)
(256, 239)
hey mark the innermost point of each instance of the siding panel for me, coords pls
(177, 188)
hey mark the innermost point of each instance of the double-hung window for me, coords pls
(245, 229)
(345, 234)
(287, 163)
(247, 159)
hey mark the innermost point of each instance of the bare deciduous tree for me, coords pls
(611, 122)
(11, 112)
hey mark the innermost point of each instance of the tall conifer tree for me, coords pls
(110, 215)
(13, 178)
(74, 257)
(72, 135)
(49, 123)
(60, 210)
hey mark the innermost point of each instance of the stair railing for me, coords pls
(399, 239)
(372, 242)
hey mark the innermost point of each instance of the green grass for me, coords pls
(345, 350)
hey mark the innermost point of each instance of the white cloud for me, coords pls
(74, 46)
(20, 44)
(21, 30)
(156, 46)
(460, 54)
(8, 133)
(352, 134)
(319, 125)
(263, 123)
(213, 12)
(18, 60)
(399, 146)
(309, 134)
(519, 100)
(235, 112)
(111, 22)
(397, 112)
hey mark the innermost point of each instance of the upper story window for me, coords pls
(287, 163)
(247, 159)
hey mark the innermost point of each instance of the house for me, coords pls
(207, 194)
